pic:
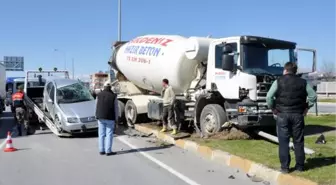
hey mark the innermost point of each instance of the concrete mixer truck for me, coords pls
(217, 81)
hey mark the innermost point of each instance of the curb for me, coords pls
(230, 160)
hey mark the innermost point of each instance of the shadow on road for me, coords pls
(144, 149)
(119, 131)
(22, 149)
(317, 129)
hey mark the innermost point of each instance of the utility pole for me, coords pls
(73, 68)
(119, 20)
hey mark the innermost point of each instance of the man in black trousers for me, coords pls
(287, 98)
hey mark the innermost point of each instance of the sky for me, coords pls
(84, 30)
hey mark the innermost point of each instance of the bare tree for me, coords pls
(328, 69)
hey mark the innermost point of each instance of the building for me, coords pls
(98, 80)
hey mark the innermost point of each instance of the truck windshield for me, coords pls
(73, 93)
(258, 58)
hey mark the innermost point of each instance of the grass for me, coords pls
(320, 166)
(327, 100)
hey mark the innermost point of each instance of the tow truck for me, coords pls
(34, 98)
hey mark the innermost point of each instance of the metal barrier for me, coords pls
(326, 88)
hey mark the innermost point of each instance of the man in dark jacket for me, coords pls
(107, 115)
(290, 93)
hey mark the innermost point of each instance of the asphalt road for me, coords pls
(46, 159)
(324, 108)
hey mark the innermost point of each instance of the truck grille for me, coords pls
(262, 89)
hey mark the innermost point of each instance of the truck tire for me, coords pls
(121, 108)
(212, 118)
(131, 113)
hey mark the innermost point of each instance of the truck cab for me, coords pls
(240, 71)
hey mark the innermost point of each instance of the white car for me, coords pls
(71, 105)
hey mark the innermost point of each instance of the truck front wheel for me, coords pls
(130, 113)
(212, 118)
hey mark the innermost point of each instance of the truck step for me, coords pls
(190, 104)
(189, 113)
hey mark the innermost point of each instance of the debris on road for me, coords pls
(134, 133)
(231, 177)
(266, 183)
(254, 178)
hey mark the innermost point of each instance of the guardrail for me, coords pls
(326, 88)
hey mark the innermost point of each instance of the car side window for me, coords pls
(52, 93)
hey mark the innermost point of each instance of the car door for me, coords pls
(51, 101)
(46, 95)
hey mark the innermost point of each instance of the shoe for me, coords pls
(111, 153)
(164, 129)
(284, 170)
(102, 153)
(174, 132)
(299, 169)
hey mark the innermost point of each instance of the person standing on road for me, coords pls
(290, 106)
(107, 115)
(20, 111)
(168, 96)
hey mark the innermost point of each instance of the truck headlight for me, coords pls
(72, 120)
(244, 109)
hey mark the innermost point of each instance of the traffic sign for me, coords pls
(14, 63)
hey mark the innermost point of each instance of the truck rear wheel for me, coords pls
(121, 108)
(131, 113)
(212, 118)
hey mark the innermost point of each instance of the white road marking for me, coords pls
(2, 144)
(163, 165)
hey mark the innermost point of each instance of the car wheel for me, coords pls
(58, 123)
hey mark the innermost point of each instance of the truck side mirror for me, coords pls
(228, 62)
(227, 49)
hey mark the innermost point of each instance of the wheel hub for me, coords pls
(130, 113)
(210, 123)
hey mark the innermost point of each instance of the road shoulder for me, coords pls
(229, 160)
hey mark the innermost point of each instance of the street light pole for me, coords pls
(119, 20)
